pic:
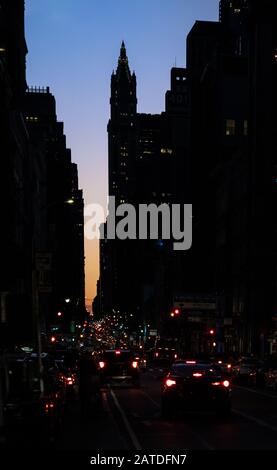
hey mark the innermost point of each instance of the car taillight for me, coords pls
(225, 383)
(197, 374)
(170, 382)
(229, 366)
(48, 406)
(70, 380)
(101, 364)
(134, 364)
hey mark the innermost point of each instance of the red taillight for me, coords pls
(175, 356)
(117, 352)
(197, 374)
(134, 364)
(170, 382)
(48, 406)
(190, 362)
(70, 380)
(156, 354)
(225, 383)
(101, 364)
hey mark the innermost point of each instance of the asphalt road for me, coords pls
(131, 420)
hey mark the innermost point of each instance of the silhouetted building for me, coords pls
(16, 322)
(146, 165)
(232, 67)
(218, 132)
(58, 214)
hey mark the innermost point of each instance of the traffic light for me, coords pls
(175, 312)
(212, 331)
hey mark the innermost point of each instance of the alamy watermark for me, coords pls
(143, 222)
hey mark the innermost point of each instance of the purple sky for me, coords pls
(73, 48)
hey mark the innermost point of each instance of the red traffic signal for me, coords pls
(175, 312)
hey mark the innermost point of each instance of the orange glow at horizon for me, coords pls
(91, 270)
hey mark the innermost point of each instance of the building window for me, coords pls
(166, 151)
(245, 127)
(31, 119)
(230, 127)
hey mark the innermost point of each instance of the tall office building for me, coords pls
(146, 163)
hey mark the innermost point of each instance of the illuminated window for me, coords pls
(31, 118)
(230, 127)
(166, 151)
(245, 127)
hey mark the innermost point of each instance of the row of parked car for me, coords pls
(252, 371)
(249, 370)
(206, 383)
(35, 404)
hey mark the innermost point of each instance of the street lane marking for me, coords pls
(258, 421)
(257, 392)
(130, 431)
(202, 440)
(108, 410)
(151, 399)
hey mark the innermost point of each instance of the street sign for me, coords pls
(43, 267)
(43, 261)
(199, 305)
(44, 282)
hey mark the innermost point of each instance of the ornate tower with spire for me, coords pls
(122, 130)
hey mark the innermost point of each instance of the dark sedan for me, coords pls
(119, 366)
(193, 386)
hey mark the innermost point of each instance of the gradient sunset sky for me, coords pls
(74, 46)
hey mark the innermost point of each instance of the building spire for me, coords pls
(123, 59)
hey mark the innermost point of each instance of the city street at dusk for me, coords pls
(138, 261)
